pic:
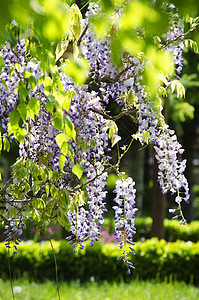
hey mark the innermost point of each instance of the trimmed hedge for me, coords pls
(173, 230)
(153, 259)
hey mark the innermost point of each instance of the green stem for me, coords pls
(125, 151)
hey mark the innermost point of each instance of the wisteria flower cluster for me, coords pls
(125, 215)
(176, 34)
(86, 223)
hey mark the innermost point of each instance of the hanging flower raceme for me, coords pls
(86, 223)
(171, 168)
(125, 216)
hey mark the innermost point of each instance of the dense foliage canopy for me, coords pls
(60, 72)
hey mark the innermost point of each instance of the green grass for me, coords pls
(103, 291)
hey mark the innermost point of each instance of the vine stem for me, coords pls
(55, 260)
(85, 4)
(56, 266)
(10, 276)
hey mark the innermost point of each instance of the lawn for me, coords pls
(106, 291)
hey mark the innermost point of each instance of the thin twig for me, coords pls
(180, 37)
(116, 117)
(98, 175)
(108, 79)
(82, 35)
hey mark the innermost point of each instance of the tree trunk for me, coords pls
(133, 165)
(158, 199)
(158, 207)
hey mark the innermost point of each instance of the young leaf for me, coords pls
(77, 70)
(61, 161)
(58, 120)
(34, 105)
(20, 134)
(49, 106)
(60, 139)
(69, 128)
(14, 118)
(176, 84)
(78, 170)
(6, 144)
(22, 109)
(22, 91)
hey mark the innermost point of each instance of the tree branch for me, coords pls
(116, 117)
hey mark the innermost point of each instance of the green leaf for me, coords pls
(146, 136)
(23, 173)
(12, 213)
(34, 105)
(65, 148)
(182, 111)
(6, 144)
(13, 125)
(66, 103)
(53, 191)
(77, 70)
(36, 187)
(75, 20)
(81, 197)
(35, 215)
(78, 170)
(58, 120)
(45, 173)
(20, 134)
(62, 159)
(116, 49)
(55, 176)
(176, 84)
(1, 63)
(32, 82)
(47, 187)
(69, 128)
(63, 199)
(4, 83)
(193, 45)
(60, 49)
(38, 204)
(22, 109)
(136, 14)
(60, 139)
(50, 106)
(27, 74)
(101, 28)
(62, 98)
(48, 84)
(159, 62)
(14, 118)
(63, 219)
(22, 91)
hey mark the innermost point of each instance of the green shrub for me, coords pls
(173, 230)
(153, 259)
